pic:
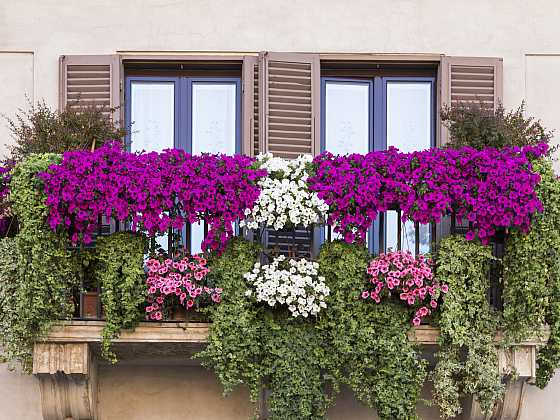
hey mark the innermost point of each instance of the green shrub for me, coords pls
(43, 130)
(473, 124)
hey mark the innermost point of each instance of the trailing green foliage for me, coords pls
(369, 346)
(299, 364)
(262, 348)
(467, 362)
(38, 272)
(532, 276)
(123, 287)
(474, 124)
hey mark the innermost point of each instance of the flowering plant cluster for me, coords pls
(400, 273)
(295, 283)
(178, 282)
(285, 199)
(155, 191)
(493, 189)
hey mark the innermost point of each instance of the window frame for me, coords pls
(183, 107)
(128, 104)
(377, 132)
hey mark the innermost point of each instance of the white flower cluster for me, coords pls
(285, 200)
(294, 283)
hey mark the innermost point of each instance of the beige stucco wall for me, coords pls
(34, 33)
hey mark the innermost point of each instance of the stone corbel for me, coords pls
(67, 374)
(519, 360)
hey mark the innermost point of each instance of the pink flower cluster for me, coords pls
(179, 282)
(154, 191)
(493, 189)
(400, 273)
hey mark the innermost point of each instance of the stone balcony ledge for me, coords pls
(65, 362)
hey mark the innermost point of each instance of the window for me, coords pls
(196, 114)
(362, 114)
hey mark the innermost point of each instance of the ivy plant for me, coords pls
(532, 276)
(297, 365)
(38, 271)
(369, 345)
(467, 362)
(281, 359)
(123, 287)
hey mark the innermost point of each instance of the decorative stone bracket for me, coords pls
(66, 364)
(67, 375)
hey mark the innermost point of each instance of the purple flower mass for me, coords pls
(155, 191)
(491, 188)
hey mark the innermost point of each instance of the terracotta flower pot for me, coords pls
(89, 305)
(179, 313)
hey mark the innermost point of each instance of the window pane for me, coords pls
(409, 128)
(214, 117)
(347, 122)
(152, 113)
(347, 113)
(408, 240)
(214, 129)
(409, 115)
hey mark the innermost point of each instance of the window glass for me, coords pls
(214, 129)
(409, 128)
(409, 115)
(347, 121)
(214, 117)
(152, 114)
(408, 239)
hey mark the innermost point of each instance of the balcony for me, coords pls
(347, 250)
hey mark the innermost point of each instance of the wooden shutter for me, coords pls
(470, 79)
(250, 106)
(289, 102)
(90, 80)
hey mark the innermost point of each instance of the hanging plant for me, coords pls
(285, 199)
(368, 345)
(181, 282)
(121, 275)
(532, 277)
(410, 278)
(294, 283)
(38, 271)
(467, 362)
(265, 349)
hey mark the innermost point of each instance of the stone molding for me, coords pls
(66, 366)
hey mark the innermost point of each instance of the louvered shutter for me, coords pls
(470, 79)
(289, 108)
(89, 80)
(290, 103)
(250, 104)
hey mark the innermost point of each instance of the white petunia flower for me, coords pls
(294, 283)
